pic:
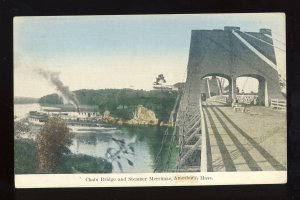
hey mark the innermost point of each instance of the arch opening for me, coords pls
(252, 89)
(246, 88)
(214, 84)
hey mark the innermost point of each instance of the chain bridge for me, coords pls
(213, 133)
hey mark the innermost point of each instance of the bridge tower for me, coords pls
(231, 53)
(228, 53)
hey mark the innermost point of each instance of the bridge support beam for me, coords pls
(219, 87)
(208, 88)
(232, 89)
(263, 96)
(266, 94)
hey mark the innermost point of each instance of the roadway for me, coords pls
(254, 140)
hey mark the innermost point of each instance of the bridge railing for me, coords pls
(203, 162)
(279, 104)
(242, 98)
(247, 98)
(219, 99)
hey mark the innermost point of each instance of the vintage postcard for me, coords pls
(150, 100)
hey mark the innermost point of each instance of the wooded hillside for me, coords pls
(122, 102)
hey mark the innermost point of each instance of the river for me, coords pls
(145, 141)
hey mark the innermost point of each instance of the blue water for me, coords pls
(145, 140)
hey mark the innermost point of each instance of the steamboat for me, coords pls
(80, 121)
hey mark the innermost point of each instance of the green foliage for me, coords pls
(26, 161)
(25, 100)
(25, 156)
(51, 99)
(72, 163)
(52, 142)
(122, 102)
(120, 153)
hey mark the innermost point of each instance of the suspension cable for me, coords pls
(262, 41)
(283, 43)
(278, 34)
(166, 133)
(182, 136)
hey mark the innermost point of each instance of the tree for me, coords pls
(52, 141)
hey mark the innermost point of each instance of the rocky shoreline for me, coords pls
(141, 116)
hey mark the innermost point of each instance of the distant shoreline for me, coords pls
(26, 100)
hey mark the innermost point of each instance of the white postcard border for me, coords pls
(149, 179)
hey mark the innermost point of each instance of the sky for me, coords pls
(97, 52)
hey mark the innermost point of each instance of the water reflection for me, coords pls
(146, 142)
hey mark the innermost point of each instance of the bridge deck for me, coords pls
(251, 141)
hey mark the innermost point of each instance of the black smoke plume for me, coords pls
(64, 91)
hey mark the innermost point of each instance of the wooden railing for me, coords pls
(247, 98)
(242, 98)
(203, 162)
(279, 104)
(219, 99)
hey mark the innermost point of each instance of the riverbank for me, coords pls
(141, 116)
(26, 161)
(145, 139)
(120, 102)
